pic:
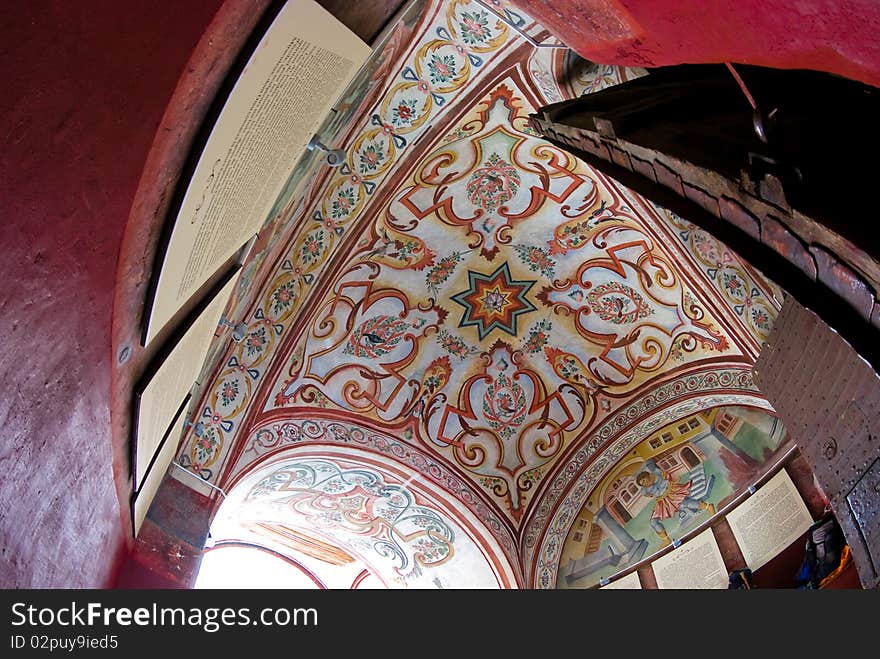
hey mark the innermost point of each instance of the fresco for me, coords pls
(335, 131)
(458, 36)
(275, 436)
(498, 354)
(748, 293)
(667, 485)
(358, 512)
(477, 302)
(356, 99)
(563, 74)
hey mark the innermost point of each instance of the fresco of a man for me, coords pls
(669, 497)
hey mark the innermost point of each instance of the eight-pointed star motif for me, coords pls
(494, 301)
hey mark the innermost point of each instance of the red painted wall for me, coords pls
(84, 86)
(838, 36)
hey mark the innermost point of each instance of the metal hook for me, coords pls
(762, 124)
(238, 330)
(333, 157)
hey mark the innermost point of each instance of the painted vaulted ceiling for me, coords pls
(473, 305)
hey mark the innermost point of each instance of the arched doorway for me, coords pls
(353, 518)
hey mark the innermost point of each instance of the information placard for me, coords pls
(695, 564)
(769, 520)
(628, 582)
(158, 396)
(156, 473)
(298, 70)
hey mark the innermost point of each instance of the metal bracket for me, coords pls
(332, 157)
(198, 427)
(238, 329)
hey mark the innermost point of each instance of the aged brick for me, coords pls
(770, 189)
(590, 144)
(701, 198)
(844, 281)
(605, 128)
(619, 156)
(643, 167)
(736, 214)
(668, 177)
(775, 235)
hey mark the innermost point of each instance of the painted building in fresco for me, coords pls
(717, 452)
